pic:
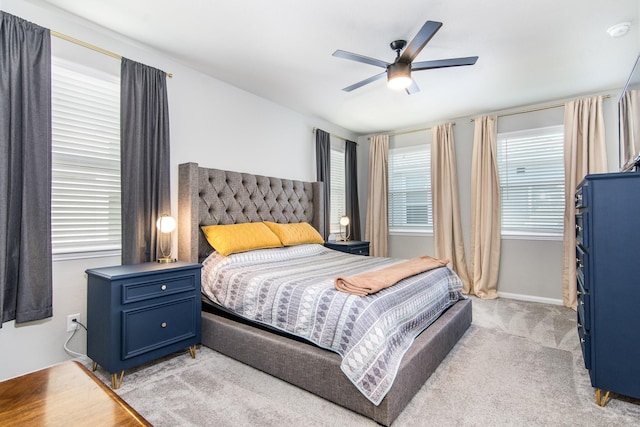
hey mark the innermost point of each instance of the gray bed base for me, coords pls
(212, 196)
(318, 371)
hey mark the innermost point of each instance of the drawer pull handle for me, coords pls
(579, 293)
(579, 325)
(582, 340)
(163, 287)
(581, 302)
(164, 324)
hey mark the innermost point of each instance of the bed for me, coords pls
(211, 196)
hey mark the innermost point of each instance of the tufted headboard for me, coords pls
(213, 196)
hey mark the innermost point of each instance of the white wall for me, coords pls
(530, 269)
(212, 123)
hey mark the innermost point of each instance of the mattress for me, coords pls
(291, 289)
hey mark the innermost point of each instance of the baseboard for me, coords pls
(530, 298)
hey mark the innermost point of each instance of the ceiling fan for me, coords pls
(399, 72)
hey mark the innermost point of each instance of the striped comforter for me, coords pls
(292, 289)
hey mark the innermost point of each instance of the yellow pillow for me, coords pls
(232, 238)
(295, 233)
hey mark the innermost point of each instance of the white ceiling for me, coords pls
(530, 51)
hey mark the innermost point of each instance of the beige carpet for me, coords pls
(518, 365)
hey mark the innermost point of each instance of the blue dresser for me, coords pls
(608, 275)
(137, 313)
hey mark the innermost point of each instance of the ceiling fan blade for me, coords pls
(443, 63)
(419, 41)
(360, 58)
(365, 82)
(413, 88)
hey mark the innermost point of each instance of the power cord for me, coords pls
(66, 348)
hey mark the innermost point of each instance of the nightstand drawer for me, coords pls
(360, 250)
(156, 326)
(350, 247)
(142, 290)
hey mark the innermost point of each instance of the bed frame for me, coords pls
(212, 196)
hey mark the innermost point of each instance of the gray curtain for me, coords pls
(145, 159)
(351, 176)
(25, 171)
(323, 172)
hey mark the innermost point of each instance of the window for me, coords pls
(337, 189)
(531, 168)
(85, 205)
(410, 189)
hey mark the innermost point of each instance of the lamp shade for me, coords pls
(166, 224)
(344, 220)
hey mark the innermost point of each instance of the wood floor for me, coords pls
(63, 395)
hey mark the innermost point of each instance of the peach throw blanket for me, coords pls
(373, 281)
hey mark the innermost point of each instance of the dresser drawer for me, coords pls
(584, 307)
(143, 290)
(582, 230)
(585, 344)
(582, 268)
(580, 197)
(156, 326)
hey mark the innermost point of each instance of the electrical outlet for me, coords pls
(71, 325)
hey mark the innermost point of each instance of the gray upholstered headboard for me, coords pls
(213, 196)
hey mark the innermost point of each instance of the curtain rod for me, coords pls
(90, 46)
(531, 110)
(335, 136)
(409, 131)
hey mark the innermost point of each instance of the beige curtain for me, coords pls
(584, 153)
(447, 228)
(485, 210)
(629, 127)
(377, 230)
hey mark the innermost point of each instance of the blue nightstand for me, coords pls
(138, 313)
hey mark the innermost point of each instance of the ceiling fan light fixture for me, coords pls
(399, 72)
(399, 76)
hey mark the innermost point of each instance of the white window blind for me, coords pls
(337, 189)
(531, 169)
(85, 210)
(410, 189)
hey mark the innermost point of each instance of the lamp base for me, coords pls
(166, 259)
